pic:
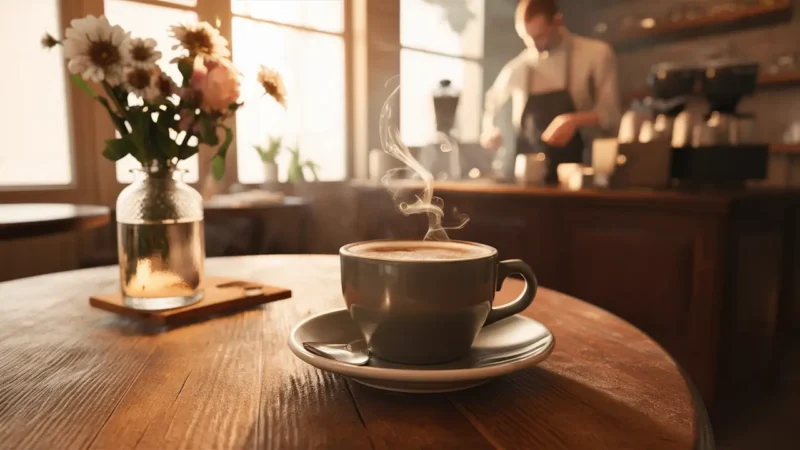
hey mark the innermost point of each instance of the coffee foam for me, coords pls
(420, 251)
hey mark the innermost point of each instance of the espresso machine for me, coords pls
(723, 149)
(673, 87)
(691, 131)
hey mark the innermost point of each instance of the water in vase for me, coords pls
(161, 264)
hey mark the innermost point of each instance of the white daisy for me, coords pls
(273, 84)
(201, 39)
(96, 50)
(142, 53)
(139, 81)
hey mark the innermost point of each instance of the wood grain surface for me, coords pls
(73, 377)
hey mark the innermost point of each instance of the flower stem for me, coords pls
(117, 103)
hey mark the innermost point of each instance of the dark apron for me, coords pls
(539, 112)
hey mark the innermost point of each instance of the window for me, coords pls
(36, 148)
(304, 41)
(440, 39)
(145, 20)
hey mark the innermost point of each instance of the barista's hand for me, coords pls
(492, 139)
(561, 130)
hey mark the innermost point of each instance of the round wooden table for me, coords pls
(23, 220)
(72, 377)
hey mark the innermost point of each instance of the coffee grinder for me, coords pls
(442, 156)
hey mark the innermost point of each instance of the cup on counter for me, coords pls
(604, 159)
(565, 172)
(530, 169)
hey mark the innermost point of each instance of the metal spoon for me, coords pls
(354, 353)
(357, 354)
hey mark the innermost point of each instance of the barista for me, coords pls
(563, 89)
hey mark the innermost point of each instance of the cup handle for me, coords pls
(504, 269)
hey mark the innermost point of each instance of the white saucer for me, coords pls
(530, 342)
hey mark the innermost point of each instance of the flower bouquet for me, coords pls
(160, 122)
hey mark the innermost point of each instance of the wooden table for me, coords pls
(22, 220)
(76, 378)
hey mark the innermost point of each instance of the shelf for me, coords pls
(786, 79)
(758, 15)
(780, 79)
(793, 149)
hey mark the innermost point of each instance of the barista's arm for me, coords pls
(495, 98)
(563, 127)
(606, 112)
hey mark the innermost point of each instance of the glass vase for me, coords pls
(160, 240)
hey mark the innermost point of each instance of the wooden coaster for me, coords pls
(222, 295)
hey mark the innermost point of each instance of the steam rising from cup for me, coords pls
(426, 203)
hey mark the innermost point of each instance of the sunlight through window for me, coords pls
(441, 39)
(36, 146)
(312, 66)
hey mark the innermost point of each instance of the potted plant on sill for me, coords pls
(268, 155)
(297, 167)
(160, 122)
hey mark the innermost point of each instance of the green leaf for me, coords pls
(208, 132)
(117, 149)
(164, 143)
(185, 152)
(218, 167)
(140, 124)
(274, 148)
(218, 163)
(314, 168)
(166, 118)
(223, 149)
(81, 84)
(186, 69)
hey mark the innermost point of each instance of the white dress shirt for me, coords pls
(593, 82)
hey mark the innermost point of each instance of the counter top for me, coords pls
(717, 199)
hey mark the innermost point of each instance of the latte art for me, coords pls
(420, 251)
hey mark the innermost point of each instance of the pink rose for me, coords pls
(217, 82)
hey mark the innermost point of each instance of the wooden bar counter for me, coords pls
(712, 275)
